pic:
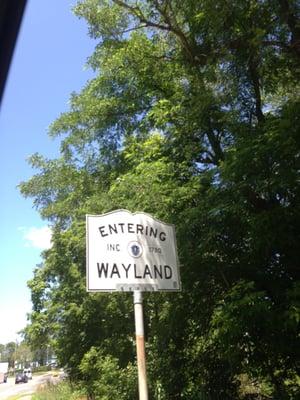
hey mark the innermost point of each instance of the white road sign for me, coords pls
(127, 252)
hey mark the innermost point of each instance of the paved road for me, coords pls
(11, 389)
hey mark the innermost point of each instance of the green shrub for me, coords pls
(60, 391)
(105, 380)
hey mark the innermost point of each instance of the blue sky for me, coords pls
(48, 64)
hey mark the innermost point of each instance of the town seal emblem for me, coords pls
(135, 249)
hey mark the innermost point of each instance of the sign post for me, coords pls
(140, 344)
(132, 252)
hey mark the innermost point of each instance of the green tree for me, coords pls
(193, 116)
(11, 353)
(23, 354)
(2, 350)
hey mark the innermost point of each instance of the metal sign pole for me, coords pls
(136, 252)
(140, 344)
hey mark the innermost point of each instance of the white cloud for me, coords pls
(11, 326)
(39, 238)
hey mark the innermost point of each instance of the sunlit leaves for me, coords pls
(192, 116)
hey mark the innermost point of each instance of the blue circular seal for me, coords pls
(135, 249)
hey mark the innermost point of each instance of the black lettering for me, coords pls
(113, 228)
(153, 232)
(102, 269)
(121, 224)
(147, 271)
(126, 269)
(102, 233)
(157, 271)
(168, 272)
(130, 228)
(139, 228)
(115, 271)
(162, 236)
(113, 247)
(135, 273)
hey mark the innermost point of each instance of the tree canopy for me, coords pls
(192, 116)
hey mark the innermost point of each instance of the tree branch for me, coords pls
(215, 144)
(293, 23)
(253, 71)
(169, 26)
(216, 147)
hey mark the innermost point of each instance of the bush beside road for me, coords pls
(60, 391)
(24, 391)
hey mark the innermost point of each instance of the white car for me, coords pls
(28, 373)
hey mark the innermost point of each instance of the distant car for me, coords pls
(28, 373)
(3, 377)
(21, 378)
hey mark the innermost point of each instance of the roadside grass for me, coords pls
(59, 391)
